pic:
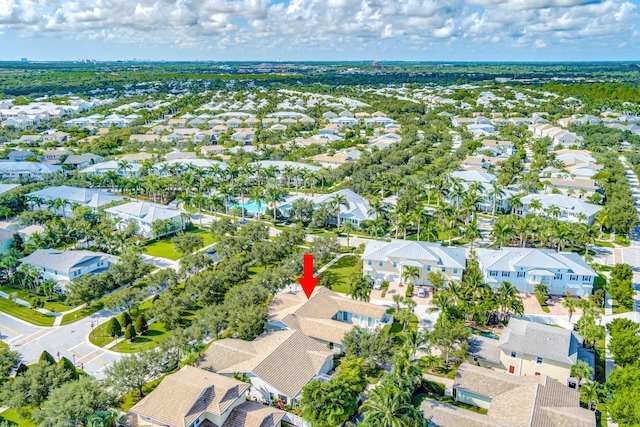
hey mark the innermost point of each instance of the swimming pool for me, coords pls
(251, 207)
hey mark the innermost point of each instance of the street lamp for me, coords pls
(74, 360)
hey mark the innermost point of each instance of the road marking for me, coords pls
(15, 338)
(75, 346)
(9, 329)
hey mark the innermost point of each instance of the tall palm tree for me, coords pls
(472, 232)
(337, 201)
(418, 215)
(360, 288)
(257, 195)
(347, 227)
(274, 196)
(241, 187)
(123, 167)
(495, 193)
(535, 206)
(581, 370)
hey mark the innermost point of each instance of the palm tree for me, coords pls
(417, 216)
(241, 187)
(541, 292)
(337, 201)
(570, 304)
(273, 196)
(410, 274)
(123, 166)
(257, 195)
(111, 179)
(535, 206)
(389, 406)
(592, 394)
(516, 202)
(472, 232)
(495, 193)
(415, 340)
(347, 227)
(581, 370)
(397, 299)
(360, 288)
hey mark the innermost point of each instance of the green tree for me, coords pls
(73, 403)
(347, 227)
(450, 337)
(625, 342)
(410, 274)
(32, 387)
(9, 360)
(620, 284)
(375, 347)
(389, 406)
(46, 358)
(130, 333)
(186, 243)
(624, 404)
(134, 371)
(126, 320)
(360, 288)
(581, 370)
(141, 325)
(114, 328)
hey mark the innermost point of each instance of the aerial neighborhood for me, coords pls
(475, 245)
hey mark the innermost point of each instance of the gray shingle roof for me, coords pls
(549, 342)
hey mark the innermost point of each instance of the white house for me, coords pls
(355, 210)
(486, 181)
(132, 169)
(31, 170)
(143, 214)
(571, 209)
(386, 260)
(73, 195)
(64, 266)
(278, 363)
(562, 272)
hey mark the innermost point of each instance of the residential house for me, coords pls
(278, 363)
(509, 401)
(7, 187)
(65, 266)
(72, 196)
(356, 209)
(387, 260)
(144, 214)
(504, 147)
(194, 397)
(54, 156)
(531, 349)
(100, 169)
(565, 273)
(338, 159)
(325, 317)
(570, 209)
(244, 136)
(82, 160)
(137, 157)
(20, 155)
(581, 187)
(61, 137)
(485, 182)
(30, 170)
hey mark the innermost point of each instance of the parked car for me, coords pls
(422, 293)
(377, 284)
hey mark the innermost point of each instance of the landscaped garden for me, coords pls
(340, 273)
(165, 248)
(24, 313)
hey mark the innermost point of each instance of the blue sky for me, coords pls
(267, 30)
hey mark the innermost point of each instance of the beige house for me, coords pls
(387, 260)
(194, 397)
(510, 401)
(532, 349)
(325, 317)
(278, 363)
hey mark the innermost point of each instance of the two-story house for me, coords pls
(65, 266)
(71, 196)
(124, 171)
(144, 214)
(278, 363)
(530, 349)
(565, 208)
(193, 397)
(325, 317)
(565, 273)
(387, 260)
(30, 170)
(356, 208)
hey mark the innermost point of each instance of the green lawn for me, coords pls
(31, 297)
(340, 273)
(619, 308)
(622, 240)
(164, 248)
(82, 313)
(13, 418)
(24, 313)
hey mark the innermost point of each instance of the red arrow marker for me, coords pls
(307, 280)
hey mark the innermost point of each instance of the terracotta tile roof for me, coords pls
(182, 397)
(287, 360)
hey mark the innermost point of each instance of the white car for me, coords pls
(422, 293)
(377, 284)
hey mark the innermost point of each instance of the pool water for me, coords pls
(475, 331)
(251, 207)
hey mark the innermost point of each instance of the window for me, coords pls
(493, 273)
(586, 278)
(573, 278)
(395, 264)
(512, 369)
(520, 274)
(539, 361)
(558, 276)
(505, 274)
(514, 355)
(380, 263)
(428, 268)
(455, 271)
(283, 398)
(369, 262)
(444, 269)
(345, 316)
(371, 322)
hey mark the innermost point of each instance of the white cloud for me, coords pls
(326, 24)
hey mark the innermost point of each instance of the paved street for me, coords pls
(14, 330)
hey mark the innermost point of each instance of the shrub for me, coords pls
(46, 357)
(126, 320)
(409, 291)
(114, 328)
(67, 365)
(130, 333)
(141, 325)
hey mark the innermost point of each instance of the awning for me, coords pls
(411, 264)
(541, 273)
